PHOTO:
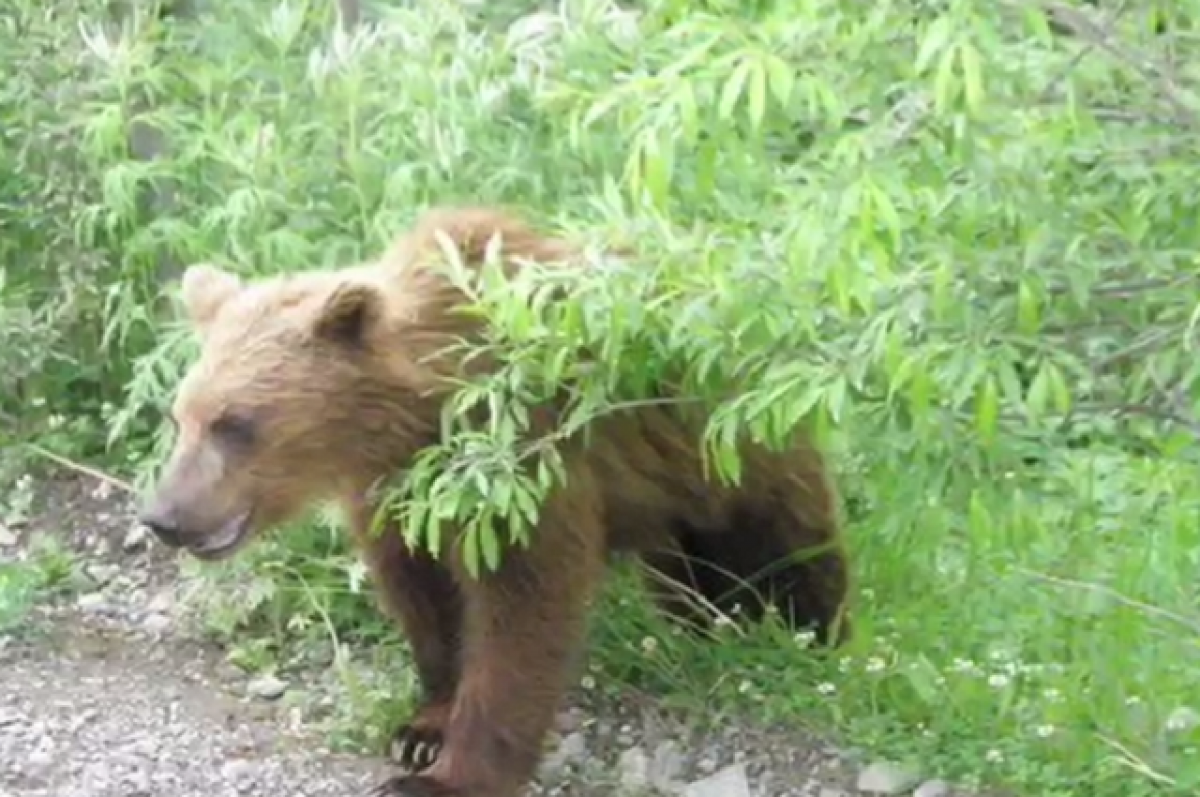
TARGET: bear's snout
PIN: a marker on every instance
(162, 523)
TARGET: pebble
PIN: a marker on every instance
(135, 538)
(666, 766)
(728, 782)
(267, 687)
(634, 765)
(933, 788)
(92, 602)
(156, 623)
(884, 777)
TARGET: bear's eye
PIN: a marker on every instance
(234, 427)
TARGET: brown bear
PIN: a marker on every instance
(318, 385)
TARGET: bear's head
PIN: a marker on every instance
(300, 394)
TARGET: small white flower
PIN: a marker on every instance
(998, 680)
(826, 688)
(804, 639)
(649, 644)
(875, 664)
(1044, 731)
(588, 682)
(993, 756)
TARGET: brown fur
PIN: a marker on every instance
(315, 385)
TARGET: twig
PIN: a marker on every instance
(81, 468)
(1186, 622)
(1088, 48)
(1082, 26)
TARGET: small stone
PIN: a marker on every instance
(135, 538)
(728, 782)
(92, 602)
(240, 773)
(883, 777)
(666, 765)
(266, 688)
(102, 574)
(825, 792)
(933, 788)
(572, 748)
(7, 538)
(9, 716)
(156, 623)
(40, 760)
(161, 603)
(635, 768)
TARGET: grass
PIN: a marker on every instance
(945, 286)
(44, 569)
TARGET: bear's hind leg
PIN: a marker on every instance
(676, 586)
(773, 551)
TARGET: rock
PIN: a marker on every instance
(884, 777)
(728, 782)
(92, 602)
(239, 772)
(102, 574)
(135, 538)
(267, 687)
(825, 792)
(156, 623)
(571, 748)
(634, 765)
(933, 788)
(7, 538)
(666, 766)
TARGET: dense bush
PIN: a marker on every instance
(958, 238)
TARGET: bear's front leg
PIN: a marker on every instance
(422, 596)
(525, 626)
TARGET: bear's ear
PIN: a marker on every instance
(348, 313)
(205, 288)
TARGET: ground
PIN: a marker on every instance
(108, 693)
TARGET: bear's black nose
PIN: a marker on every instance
(162, 524)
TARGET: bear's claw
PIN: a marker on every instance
(415, 748)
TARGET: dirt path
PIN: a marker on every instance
(104, 694)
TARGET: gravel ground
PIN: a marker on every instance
(106, 695)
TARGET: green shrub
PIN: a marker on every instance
(955, 239)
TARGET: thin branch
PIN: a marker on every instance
(1085, 28)
(79, 467)
(1186, 622)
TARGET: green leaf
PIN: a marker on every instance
(987, 409)
(490, 546)
(972, 77)
(732, 92)
(1027, 309)
(783, 79)
(945, 83)
(757, 105)
(936, 37)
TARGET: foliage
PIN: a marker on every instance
(957, 239)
